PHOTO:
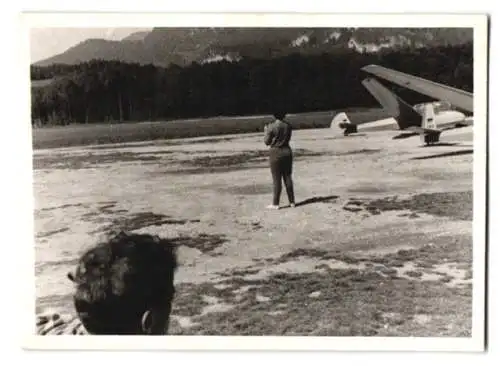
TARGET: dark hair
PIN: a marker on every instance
(279, 115)
(118, 280)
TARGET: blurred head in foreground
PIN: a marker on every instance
(126, 285)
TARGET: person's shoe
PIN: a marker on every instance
(292, 205)
(273, 207)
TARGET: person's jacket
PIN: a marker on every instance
(278, 134)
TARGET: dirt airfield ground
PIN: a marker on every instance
(380, 243)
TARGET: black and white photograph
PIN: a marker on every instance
(320, 180)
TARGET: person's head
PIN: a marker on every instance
(126, 285)
(280, 115)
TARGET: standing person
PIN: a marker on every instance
(124, 285)
(277, 137)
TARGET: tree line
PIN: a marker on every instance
(112, 91)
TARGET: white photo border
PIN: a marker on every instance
(88, 20)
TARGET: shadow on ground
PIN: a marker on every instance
(405, 135)
(444, 155)
(437, 144)
(344, 137)
(318, 199)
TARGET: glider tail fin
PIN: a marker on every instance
(402, 112)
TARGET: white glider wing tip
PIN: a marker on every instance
(372, 68)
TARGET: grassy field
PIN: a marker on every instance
(78, 135)
(380, 243)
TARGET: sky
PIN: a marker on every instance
(47, 42)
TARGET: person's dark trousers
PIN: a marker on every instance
(281, 161)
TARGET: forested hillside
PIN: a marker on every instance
(99, 91)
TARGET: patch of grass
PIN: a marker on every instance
(251, 189)
(207, 170)
(456, 205)
(373, 210)
(144, 219)
(228, 163)
(446, 279)
(188, 303)
(165, 143)
(424, 264)
(353, 303)
(53, 232)
(244, 157)
(360, 151)
(226, 160)
(302, 252)
(62, 207)
(90, 160)
(189, 300)
(205, 243)
(93, 134)
(388, 271)
(444, 249)
(317, 253)
(122, 220)
(415, 274)
(241, 272)
(343, 257)
(322, 267)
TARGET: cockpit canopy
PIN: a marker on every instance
(439, 106)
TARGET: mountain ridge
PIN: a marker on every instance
(183, 46)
